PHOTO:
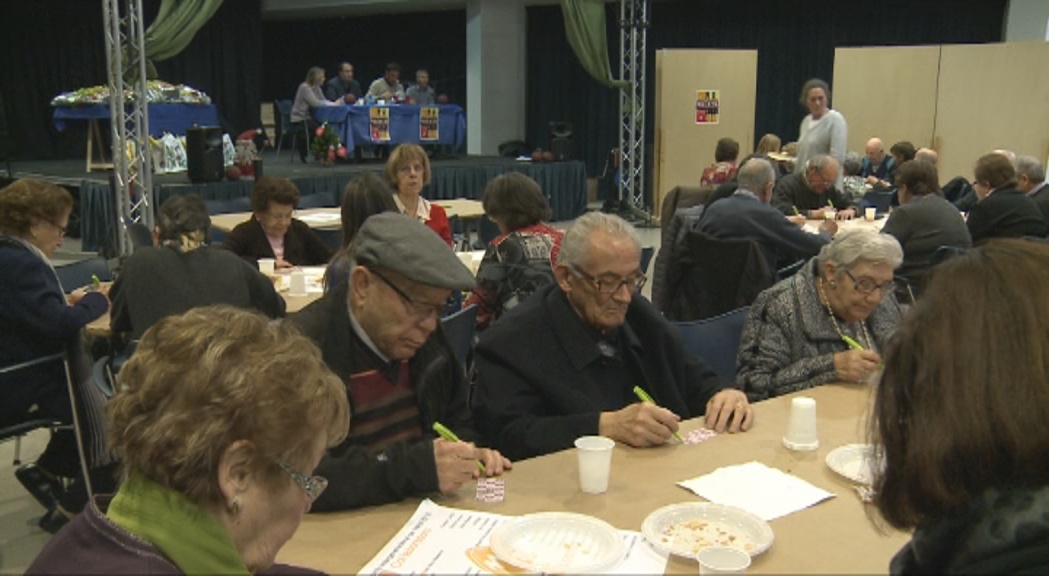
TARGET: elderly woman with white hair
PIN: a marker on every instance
(827, 323)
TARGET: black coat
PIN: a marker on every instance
(302, 246)
(541, 378)
(1006, 213)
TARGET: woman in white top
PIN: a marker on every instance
(823, 131)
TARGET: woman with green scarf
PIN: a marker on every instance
(220, 419)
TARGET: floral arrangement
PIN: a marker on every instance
(326, 145)
(156, 91)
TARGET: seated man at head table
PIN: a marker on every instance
(183, 272)
(878, 169)
(388, 87)
(421, 92)
(343, 87)
(747, 215)
(379, 333)
(565, 362)
(811, 192)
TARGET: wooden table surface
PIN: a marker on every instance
(461, 207)
(834, 536)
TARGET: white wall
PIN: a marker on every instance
(1027, 20)
(495, 74)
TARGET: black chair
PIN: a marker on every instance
(83, 273)
(879, 199)
(459, 328)
(241, 204)
(331, 236)
(318, 200)
(285, 127)
(646, 257)
(17, 431)
(708, 276)
(715, 341)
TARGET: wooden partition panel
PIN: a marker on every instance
(683, 148)
(888, 92)
(991, 96)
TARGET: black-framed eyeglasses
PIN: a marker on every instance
(867, 286)
(416, 308)
(312, 485)
(61, 229)
(607, 286)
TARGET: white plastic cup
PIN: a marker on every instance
(869, 213)
(801, 427)
(595, 463)
(723, 560)
(267, 266)
(830, 214)
(298, 284)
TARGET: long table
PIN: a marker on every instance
(835, 536)
(353, 123)
(332, 217)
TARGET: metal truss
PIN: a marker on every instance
(132, 182)
(633, 26)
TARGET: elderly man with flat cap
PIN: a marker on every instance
(564, 363)
(379, 333)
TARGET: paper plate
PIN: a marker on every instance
(558, 542)
(853, 461)
(685, 529)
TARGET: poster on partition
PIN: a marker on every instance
(708, 106)
(428, 131)
(380, 123)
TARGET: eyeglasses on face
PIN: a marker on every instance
(418, 309)
(867, 286)
(61, 229)
(608, 285)
(312, 485)
(279, 217)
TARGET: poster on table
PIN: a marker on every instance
(428, 131)
(708, 106)
(380, 124)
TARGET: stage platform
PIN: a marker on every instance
(564, 184)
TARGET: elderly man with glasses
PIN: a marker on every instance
(565, 362)
(811, 192)
(379, 333)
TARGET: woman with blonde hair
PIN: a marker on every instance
(407, 172)
(221, 419)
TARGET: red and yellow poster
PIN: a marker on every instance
(708, 106)
(380, 123)
(428, 120)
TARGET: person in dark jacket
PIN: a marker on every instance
(1030, 179)
(564, 363)
(1002, 210)
(183, 272)
(379, 333)
(960, 421)
(271, 232)
(37, 320)
(221, 420)
(364, 196)
(810, 192)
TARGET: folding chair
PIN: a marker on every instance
(282, 109)
(716, 341)
(459, 328)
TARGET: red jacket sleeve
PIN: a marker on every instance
(438, 222)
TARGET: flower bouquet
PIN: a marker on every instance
(326, 145)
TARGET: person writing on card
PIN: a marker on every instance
(564, 363)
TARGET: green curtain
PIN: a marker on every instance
(176, 23)
(585, 29)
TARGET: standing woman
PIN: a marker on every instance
(407, 171)
(307, 97)
(37, 320)
(823, 131)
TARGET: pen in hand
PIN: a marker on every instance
(644, 397)
(450, 436)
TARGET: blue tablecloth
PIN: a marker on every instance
(353, 123)
(173, 118)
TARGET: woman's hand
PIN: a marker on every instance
(856, 365)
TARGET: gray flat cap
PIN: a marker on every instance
(406, 246)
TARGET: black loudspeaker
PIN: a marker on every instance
(561, 144)
(204, 154)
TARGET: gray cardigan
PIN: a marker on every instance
(788, 341)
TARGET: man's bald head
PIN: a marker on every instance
(875, 150)
(927, 155)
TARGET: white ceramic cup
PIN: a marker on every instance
(869, 213)
(801, 427)
(267, 266)
(830, 214)
(595, 463)
(723, 560)
(298, 283)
